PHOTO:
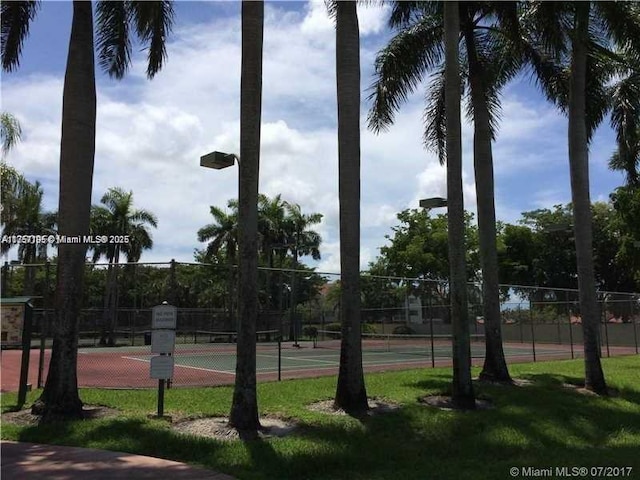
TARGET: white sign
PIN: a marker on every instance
(163, 341)
(164, 316)
(162, 367)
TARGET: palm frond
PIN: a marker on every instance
(153, 21)
(10, 131)
(434, 117)
(16, 17)
(399, 68)
(113, 41)
(620, 22)
(144, 217)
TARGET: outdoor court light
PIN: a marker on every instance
(218, 160)
(435, 202)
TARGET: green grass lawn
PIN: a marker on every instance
(541, 425)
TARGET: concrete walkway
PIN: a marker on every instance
(50, 462)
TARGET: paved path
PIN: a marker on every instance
(51, 462)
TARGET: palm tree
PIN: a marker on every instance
(351, 393)
(28, 218)
(117, 217)
(244, 407)
(579, 172)
(462, 388)
(579, 35)
(223, 235)
(271, 227)
(10, 132)
(301, 241)
(151, 21)
(417, 49)
(12, 183)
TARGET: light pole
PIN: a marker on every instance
(428, 204)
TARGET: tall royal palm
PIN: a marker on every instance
(462, 388)
(581, 34)
(151, 21)
(351, 394)
(416, 50)
(579, 172)
(118, 219)
(244, 406)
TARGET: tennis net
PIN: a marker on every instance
(206, 336)
(414, 344)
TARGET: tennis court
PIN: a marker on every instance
(212, 361)
(379, 351)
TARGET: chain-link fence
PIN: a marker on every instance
(298, 310)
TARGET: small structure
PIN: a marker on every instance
(15, 331)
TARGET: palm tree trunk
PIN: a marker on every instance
(579, 171)
(29, 270)
(77, 150)
(351, 394)
(244, 408)
(462, 388)
(495, 365)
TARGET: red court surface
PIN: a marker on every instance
(129, 367)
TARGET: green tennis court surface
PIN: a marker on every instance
(221, 358)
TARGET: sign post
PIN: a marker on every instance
(163, 341)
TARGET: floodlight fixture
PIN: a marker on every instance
(218, 160)
(434, 202)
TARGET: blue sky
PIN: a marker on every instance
(150, 134)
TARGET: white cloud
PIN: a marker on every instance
(371, 20)
(151, 134)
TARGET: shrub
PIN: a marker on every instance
(368, 328)
(310, 332)
(403, 330)
(335, 330)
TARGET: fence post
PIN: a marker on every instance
(5, 273)
(172, 282)
(433, 354)
(635, 333)
(533, 335)
(606, 327)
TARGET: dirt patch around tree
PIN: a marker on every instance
(516, 382)
(89, 412)
(581, 389)
(444, 402)
(219, 429)
(377, 406)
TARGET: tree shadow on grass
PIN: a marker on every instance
(538, 425)
(566, 382)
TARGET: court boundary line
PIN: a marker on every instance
(185, 366)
